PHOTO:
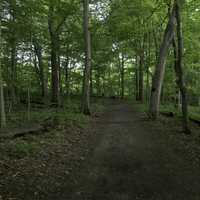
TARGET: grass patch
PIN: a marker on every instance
(60, 122)
(68, 113)
(97, 108)
(194, 111)
(21, 148)
(141, 107)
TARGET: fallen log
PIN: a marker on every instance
(168, 114)
(21, 132)
(196, 121)
(171, 114)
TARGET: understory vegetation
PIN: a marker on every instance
(54, 50)
(64, 62)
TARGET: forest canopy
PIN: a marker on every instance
(54, 49)
(99, 99)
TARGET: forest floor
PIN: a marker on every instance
(120, 155)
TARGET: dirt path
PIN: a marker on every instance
(132, 161)
(121, 157)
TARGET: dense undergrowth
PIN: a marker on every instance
(60, 122)
(69, 112)
(194, 111)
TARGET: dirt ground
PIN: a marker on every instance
(120, 156)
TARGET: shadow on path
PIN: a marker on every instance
(132, 162)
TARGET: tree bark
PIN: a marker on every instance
(91, 82)
(13, 51)
(67, 76)
(160, 67)
(54, 39)
(121, 63)
(38, 53)
(98, 83)
(141, 77)
(29, 104)
(148, 57)
(60, 74)
(179, 69)
(55, 71)
(87, 70)
(13, 73)
(2, 103)
(156, 44)
(137, 80)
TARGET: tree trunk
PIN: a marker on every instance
(122, 76)
(91, 82)
(67, 77)
(147, 69)
(38, 53)
(156, 44)
(60, 74)
(147, 86)
(87, 70)
(162, 95)
(110, 83)
(13, 49)
(98, 82)
(29, 104)
(55, 71)
(13, 73)
(2, 103)
(141, 77)
(104, 85)
(160, 67)
(177, 95)
(54, 39)
(179, 70)
(136, 79)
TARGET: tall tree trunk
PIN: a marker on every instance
(104, 85)
(91, 82)
(160, 67)
(177, 96)
(29, 104)
(87, 70)
(156, 44)
(38, 53)
(122, 76)
(60, 73)
(136, 80)
(67, 76)
(13, 73)
(98, 83)
(147, 86)
(148, 56)
(141, 77)
(55, 71)
(110, 84)
(3, 114)
(179, 69)
(13, 49)
(54, 39)
(2, 103)
(162, 95)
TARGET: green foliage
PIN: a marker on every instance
(128, 28)
(194, 111)
(68, 115)
(20, 148)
